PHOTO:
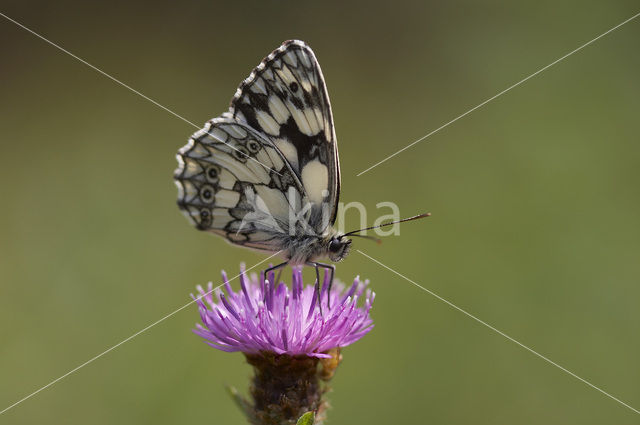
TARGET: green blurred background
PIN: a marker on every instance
(535, 227)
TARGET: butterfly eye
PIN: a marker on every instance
(212, 174)
(334, 246)
(253, 146)
(241, 154)
(207, 193)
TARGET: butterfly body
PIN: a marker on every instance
(309, 249)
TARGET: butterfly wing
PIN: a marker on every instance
(234, 182)
(285, 98)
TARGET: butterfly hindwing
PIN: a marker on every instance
(285, 98)
(234, 182)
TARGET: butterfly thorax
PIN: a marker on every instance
(299, 250)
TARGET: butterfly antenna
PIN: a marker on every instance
(415, 217)
(378, 241)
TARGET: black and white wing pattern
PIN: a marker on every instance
(270, 158)
(233, 182)
(285, 98)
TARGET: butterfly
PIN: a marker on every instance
(266, 173)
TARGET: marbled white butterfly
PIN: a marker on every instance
(265, 174)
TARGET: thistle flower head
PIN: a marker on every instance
(263, 317)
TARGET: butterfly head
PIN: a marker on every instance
(338, 248)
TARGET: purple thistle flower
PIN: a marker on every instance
(265, 318)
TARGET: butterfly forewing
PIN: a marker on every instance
(286, 99)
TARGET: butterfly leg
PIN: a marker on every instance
(274, 268)
(266, 276)
(328, 268)
(331, 269)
